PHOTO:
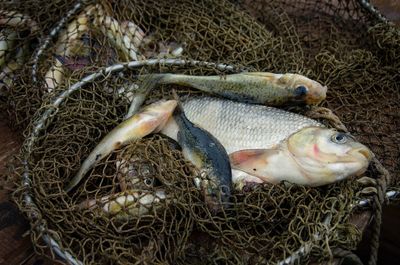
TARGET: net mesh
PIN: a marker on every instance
(337, 43)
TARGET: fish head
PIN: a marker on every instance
(216, 194)
(303, 89)
(326, 155)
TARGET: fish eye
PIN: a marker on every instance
(300, 91)
(148, 182)
(339, 138)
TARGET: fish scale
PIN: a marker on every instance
(241, 126)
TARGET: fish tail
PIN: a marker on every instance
(179, 107)
(148, 83)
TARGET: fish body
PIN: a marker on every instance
(238, 125)
(275, 145)
(69, 42)
(256, 87)
(308, 157)
(123, 205)
(126, 35)
(17, 20)
(150, 119)
(209, 156)
(7, 74)
(7, 42)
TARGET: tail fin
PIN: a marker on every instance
(179, 107)
(148, 83)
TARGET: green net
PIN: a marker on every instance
(339, 44)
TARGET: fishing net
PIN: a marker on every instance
(342, 45)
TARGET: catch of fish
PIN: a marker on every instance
(237, 140)
(234, 144)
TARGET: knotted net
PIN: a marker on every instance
(341, 45)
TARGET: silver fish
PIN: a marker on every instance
(275, 145)
(241, 126)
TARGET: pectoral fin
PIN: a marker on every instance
(253, 161)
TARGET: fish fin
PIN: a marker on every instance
(266, 75)
(252, 161)
(179, 108)
(148, 83)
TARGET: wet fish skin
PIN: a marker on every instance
(238, 125)
(275, 145)
(127, 204)
(7, 42)
(150, 119)
(209, 156)
(310, 157)
(255, 87)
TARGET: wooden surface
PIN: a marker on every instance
(15, 248)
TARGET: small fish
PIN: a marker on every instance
(273, 145)
(126, 36)
(136, 173)
(132, 203)
(209, 156)
(257, 87)
(7, 42)
(67, 44)
(151, 119)
(7, 74)
(17, 20)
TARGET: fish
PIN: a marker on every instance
(136, 173)
(139, 93)
(126, 35)
(150, 119)
(209, 156)
(266, 144)
(7, 42)
(127, 204)
(7, 74)
(18, 20)
(313, 156)
(255, 87)
(69, 42)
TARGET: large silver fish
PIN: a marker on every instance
(270, 145)
(241, 126)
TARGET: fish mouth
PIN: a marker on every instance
(365, 152)
(317, 95)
